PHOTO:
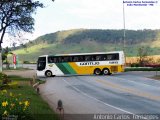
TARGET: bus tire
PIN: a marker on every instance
(48, 73)
(106, 71)
(97, 71)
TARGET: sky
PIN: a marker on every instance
(94, 14)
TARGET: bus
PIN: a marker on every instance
(97, 63)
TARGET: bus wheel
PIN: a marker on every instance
(97, 71)
(48, 73)
(106, 71)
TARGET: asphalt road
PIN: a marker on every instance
(125, 93)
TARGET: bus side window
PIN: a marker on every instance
(55, 60)
(109, 57)
(98, 57)
(66, 59)
(93, 58)
(62, 59)
(75, 59)
(81, 58)
(50, 59)
(116, 56)
(59, 59)
(113, 57)
(104, 57)
(87, 58)
(70, 59)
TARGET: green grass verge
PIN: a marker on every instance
(18, 78)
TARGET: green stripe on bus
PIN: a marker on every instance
(62, 68)
(69, 68)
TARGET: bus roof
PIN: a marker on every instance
(94, 53)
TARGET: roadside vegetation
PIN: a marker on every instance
(19, 99)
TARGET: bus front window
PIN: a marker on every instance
(41, 64)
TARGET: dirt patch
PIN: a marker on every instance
(156, 77)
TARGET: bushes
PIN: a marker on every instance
(14, 105)
(4, 79)
(26, 62)
(5, 82)
(135, 65)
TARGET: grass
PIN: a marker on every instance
(24, 81)
(18, 78)
(18, 68)
(39, 110)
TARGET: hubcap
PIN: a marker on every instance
(105, 71)
(97, 72)
(48, 73)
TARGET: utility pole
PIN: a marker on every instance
(124, 32)
(124, 28)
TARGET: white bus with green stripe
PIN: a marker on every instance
(99, 63)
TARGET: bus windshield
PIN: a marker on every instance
(41, 63)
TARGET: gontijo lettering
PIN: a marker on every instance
(89, 63)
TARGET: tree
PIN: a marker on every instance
(143, 53)
(6, 51)
(16, 16)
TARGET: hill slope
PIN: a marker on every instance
(90, 40)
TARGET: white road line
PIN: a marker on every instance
(134, 81)
(97, 99)
(117, 108)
